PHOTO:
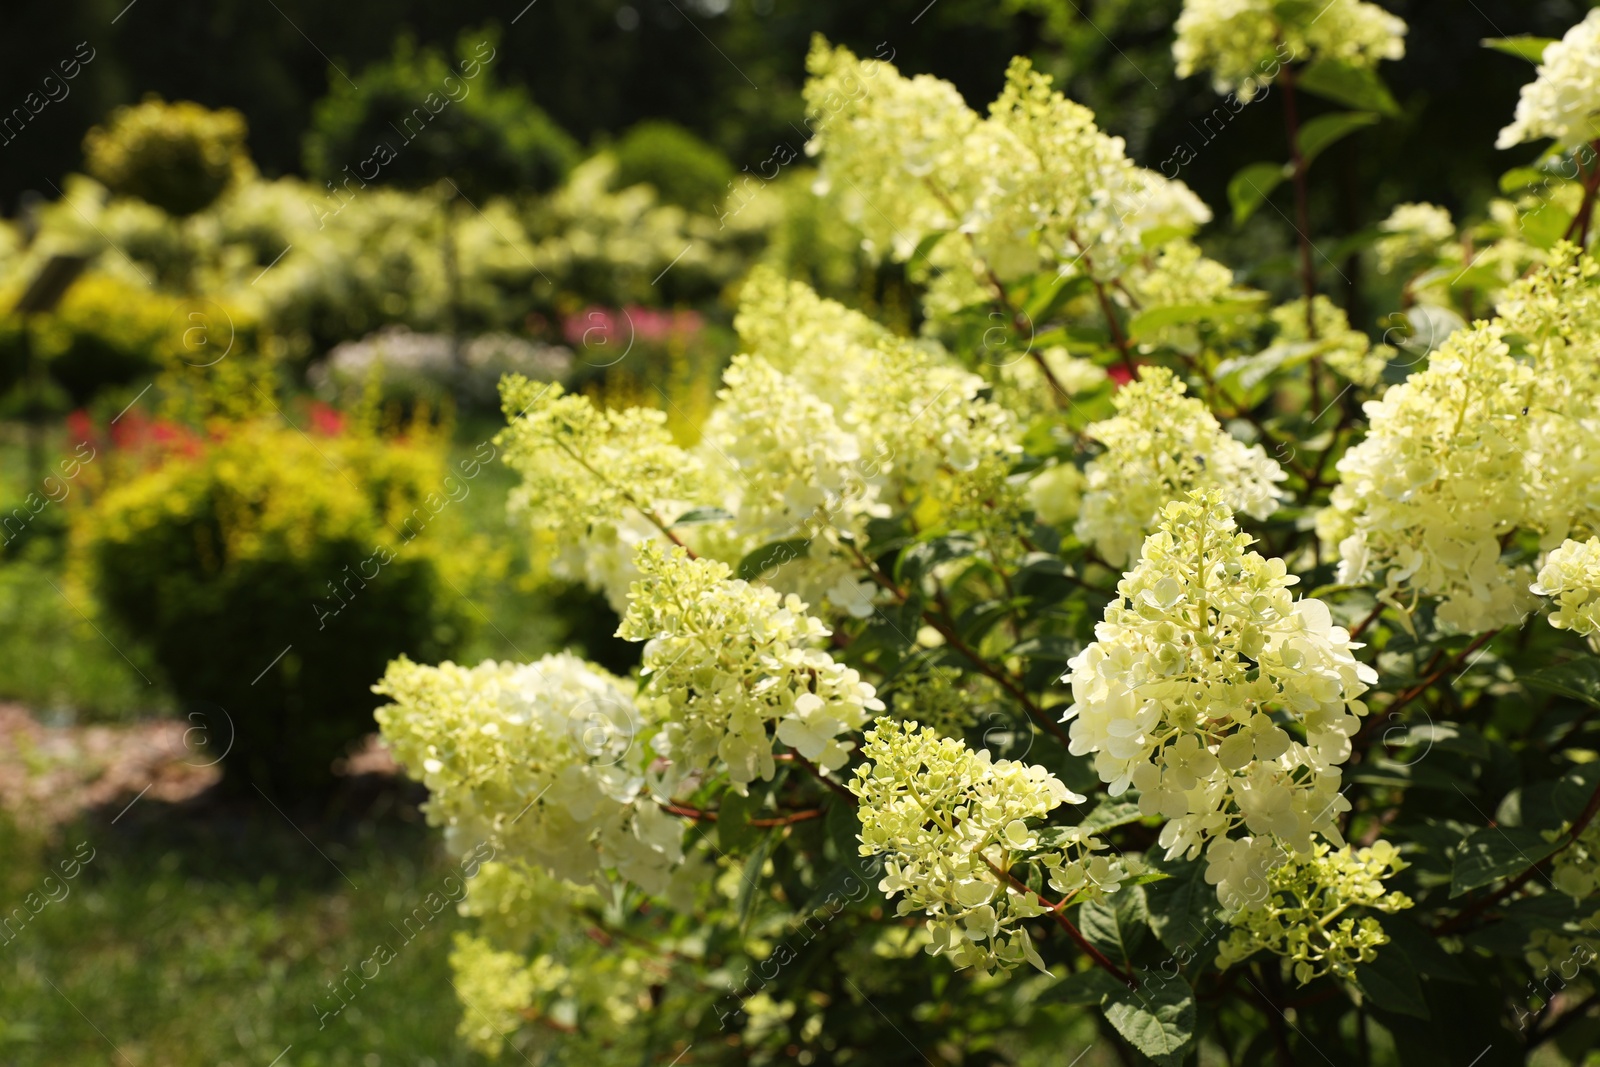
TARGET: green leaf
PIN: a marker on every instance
(1108, 815)
(1325, 130)
(771, 556)
(844, 829)
(1157, 1018)
(701, 516)
(925, 246)
(1579, 679)
(1182, 907)
(1249, 188)
(1251, 371)
(1146, 323)
(1116, 924)
(1523, 47)
(1428, 958)
(734, 832)
(1390, 983)
(1497, 852)
(750, 879)
(1357, 87)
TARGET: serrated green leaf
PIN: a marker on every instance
(1357, 87)
(1390, 984)
(1182, 907)
(1523, 47)
(1325, 130)
(1109, 814)
(1116, 924)
(771, 556)
(1249, 189)
(1157, 1018)
(1146, 323)
(1496, 852)
(701, 516)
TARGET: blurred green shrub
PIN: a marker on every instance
(417, 120)
(683, 169)
(105, 332)
(272, 575)
(179, 157)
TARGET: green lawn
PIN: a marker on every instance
(207, 933)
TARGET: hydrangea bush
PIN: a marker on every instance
(1131, 661)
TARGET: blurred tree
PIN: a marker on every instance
(179, 157)
(418, 120)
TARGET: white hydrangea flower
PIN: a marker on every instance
(1056, 492)
(1439, 481)
(1196, 671)
(1563, 101)
(1571, 575)
(543, 760)
(1412, 231)
(1160, 445)
(950, 820)
(1035, 185)
(1243, 43)
(725, 660)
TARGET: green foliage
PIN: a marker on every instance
(418, 119)
(179, 157)
(681, 167)
(331, 552)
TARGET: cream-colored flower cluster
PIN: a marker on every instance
(1440, 480)
(1563, 102)
(1223, 700)
(1160, 445)
(1244, 43)
(1299, 912)
(1571, 576)
(1035, 185)
(951, 822)
(825, 422)
(725, 660)
(1413, 231)
(1349, 352)
(544, 761)
(595, 482)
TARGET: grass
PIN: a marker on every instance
(208, 933)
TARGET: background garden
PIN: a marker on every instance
(277, 252)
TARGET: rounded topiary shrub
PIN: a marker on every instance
(273, 575)
(179, 156)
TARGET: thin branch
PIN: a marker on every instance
(1056, 913)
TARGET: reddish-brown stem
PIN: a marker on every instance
(1432, 675)
(989, 670)
(1581, 823)
(816, 772)
(1591, 183)
(701, 815)
(1056, 913)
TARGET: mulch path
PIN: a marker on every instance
(51, 774)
